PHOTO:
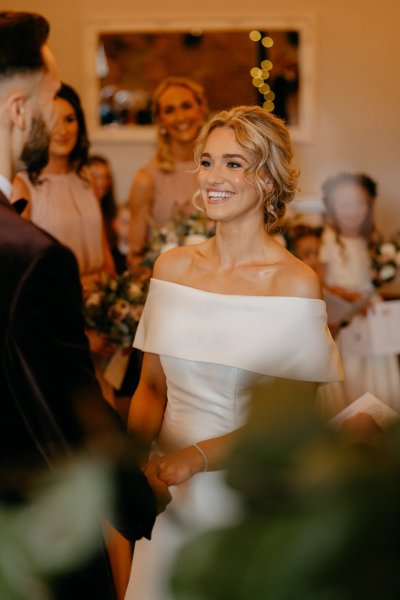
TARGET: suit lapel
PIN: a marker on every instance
(4, 201)
(17, 206)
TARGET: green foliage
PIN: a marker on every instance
(321, 517)
(55, 531)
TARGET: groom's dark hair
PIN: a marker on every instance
(22, 36)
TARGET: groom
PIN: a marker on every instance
(50, 403)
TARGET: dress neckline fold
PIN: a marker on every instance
(241, 296)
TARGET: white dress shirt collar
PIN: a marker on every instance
(5, 186)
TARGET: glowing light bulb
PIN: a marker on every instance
(255, 36)
(267, 42)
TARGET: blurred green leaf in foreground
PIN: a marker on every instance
(55, 530)
(321, 517)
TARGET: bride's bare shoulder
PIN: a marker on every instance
(173, 264)
(299, 279)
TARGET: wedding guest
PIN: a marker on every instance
(220, 316)
(51, 405)
(75, 217)
(305, 241)
(120, 226)
(167, 183)
(103, 184)
(346, 242)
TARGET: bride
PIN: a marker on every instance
(220, 316)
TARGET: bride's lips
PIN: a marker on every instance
(218, 196)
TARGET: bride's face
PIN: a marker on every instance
(226, 191)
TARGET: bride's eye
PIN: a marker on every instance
(205, 163)
(233, 164)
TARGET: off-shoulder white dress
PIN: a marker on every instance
(214, 348)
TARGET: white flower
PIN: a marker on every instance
(388, 251)
(94, 299)
(387, 272)
(134, 290)
(120, 310)
(193, 238)
(172, 238)
(167, 246)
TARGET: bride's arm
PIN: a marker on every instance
(206, 455)
(148, 402)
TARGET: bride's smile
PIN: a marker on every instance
(226, 189)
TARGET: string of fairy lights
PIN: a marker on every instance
(261, 74)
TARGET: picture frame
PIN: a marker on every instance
(128, 69)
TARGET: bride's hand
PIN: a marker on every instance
(177, 467)
(160, 489)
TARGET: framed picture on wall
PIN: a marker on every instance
(268, 61)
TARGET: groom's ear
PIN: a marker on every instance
(17, 110)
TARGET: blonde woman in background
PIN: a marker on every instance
(167, 182)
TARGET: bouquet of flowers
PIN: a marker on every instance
(385, 259)
(180, 231)
(113, 306)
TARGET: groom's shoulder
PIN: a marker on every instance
(24, 244)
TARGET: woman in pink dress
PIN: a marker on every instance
(60, 197)
(167, 182)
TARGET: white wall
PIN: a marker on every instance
(358, 82)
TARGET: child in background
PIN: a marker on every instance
(345, 253)
(120, 227)
(304, 242)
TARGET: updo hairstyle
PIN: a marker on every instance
(267, 139)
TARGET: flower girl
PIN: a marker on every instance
(346, 247)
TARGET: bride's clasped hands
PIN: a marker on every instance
(179, 466)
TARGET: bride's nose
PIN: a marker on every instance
(215, 174)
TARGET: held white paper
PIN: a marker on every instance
(384, 323)
(376, 334)
(340, 310)
(383, 415)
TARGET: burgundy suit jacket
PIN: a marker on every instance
(50, 401)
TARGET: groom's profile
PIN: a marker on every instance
(50, 401)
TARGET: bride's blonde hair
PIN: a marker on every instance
(267, 140)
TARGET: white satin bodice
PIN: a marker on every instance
(205, 400)
(215, 347)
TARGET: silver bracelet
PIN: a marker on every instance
(204, 455)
